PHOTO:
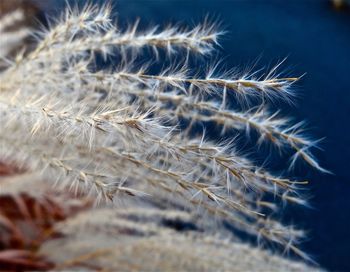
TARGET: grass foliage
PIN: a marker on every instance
(122, 131)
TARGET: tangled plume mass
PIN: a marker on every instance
(87, 110)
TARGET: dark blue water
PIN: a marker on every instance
(316, 40)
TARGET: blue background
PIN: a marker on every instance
(316, 39)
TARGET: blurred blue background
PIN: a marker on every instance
(316, 39)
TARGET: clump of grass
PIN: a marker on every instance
(119, 131)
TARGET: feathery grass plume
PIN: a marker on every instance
(149, 239)
(27, 218)
(114, 132)
(16, 21)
